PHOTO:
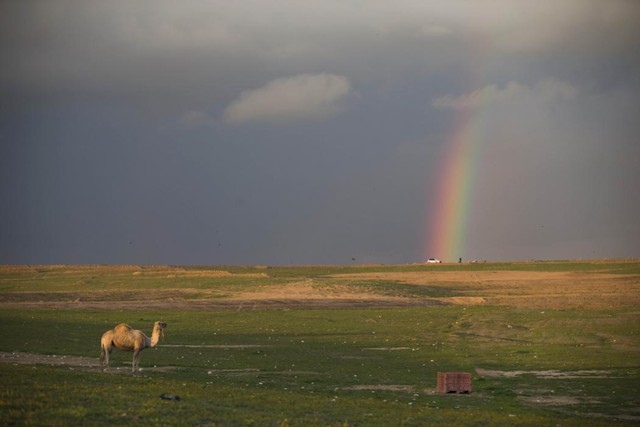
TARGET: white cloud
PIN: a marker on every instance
(546, 90)
(489, 93)
(287, 99)
(196, 118)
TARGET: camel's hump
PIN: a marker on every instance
(122, 327)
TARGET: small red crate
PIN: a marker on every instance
(454, 382)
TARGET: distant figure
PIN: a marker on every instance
(459, 260)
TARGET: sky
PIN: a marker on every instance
(318, 132)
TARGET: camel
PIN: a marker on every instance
(124, 337)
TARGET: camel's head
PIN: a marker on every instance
(160, 327)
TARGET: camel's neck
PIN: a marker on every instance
(155, 337)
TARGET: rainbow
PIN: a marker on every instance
(447, 234)
(447, 230)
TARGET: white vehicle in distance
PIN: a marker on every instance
(433, 261)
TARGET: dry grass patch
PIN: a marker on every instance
(532, 289)
(310, 290)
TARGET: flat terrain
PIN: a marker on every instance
(113, 287)
(547, 343)
(533, 289)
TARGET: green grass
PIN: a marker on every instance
(319, 367)
(306, 366)
(101, 400)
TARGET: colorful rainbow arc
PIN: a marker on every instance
(448, 230)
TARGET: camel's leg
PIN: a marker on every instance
(104, 357)
(136, 360)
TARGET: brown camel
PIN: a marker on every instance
(123, 337)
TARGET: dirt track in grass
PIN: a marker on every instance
(229, 304)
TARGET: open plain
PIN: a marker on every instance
(547, 343)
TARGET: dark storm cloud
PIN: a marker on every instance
(235, 132)
(205, 53)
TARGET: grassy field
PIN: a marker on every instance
(547, 343)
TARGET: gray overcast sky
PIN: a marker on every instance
(253, 132)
